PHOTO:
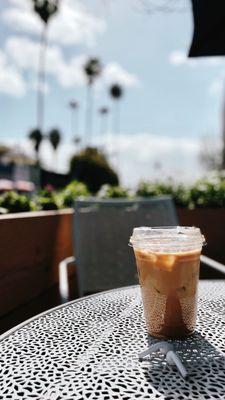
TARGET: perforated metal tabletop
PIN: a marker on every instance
(88, 349)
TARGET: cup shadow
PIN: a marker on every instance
(205, 366)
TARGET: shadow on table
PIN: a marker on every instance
(205, 366)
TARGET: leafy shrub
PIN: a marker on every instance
(46, 192)
(146, 189)
(91, 167)
(113, 192)
(14, 202)
(179, 193)
(72, 191)
(47, 204)
(47, 200)
(207, 194)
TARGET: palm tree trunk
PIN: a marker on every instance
(116, 128)
(89, 114)
(41, 80)
(55, 160)
(101, 125)
(74, 123)
(116, 119)
(223, 136)
(103, 128)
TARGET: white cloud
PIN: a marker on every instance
(157, 158)
(216, 87)
(213, 61)
(173, 156)
(179, 57)
(24, 53)
(21, 18)
(71, 73)
(43, 87)
(72, 25)
(114, 73)
(140, 153)
(11, 80)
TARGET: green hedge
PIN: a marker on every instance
(113, 192)
(12, 202)
(179, 193)
(208, 192)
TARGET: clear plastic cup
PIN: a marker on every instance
(168, 260)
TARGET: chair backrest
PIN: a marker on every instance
(102, 229)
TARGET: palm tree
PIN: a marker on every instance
(54, 137)
(74, 106)
(103, 112)
(36, 137)
(116, 92)
(77, 142)
(92, 70)
(45, 10)
(223, 137)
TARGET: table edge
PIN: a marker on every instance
(44, 313)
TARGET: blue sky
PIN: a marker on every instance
(167, 97)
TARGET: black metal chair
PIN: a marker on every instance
(101, 234)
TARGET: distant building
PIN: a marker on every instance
(16, 167)
(57, 181)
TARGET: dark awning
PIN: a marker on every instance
(209, 28)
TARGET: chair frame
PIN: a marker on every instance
(64, 264)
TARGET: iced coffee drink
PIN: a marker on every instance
(168, 267)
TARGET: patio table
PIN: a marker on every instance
(88, 349)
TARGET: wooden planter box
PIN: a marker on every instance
(212, 224)
(32, 245)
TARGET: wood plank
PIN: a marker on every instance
(31, 247)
